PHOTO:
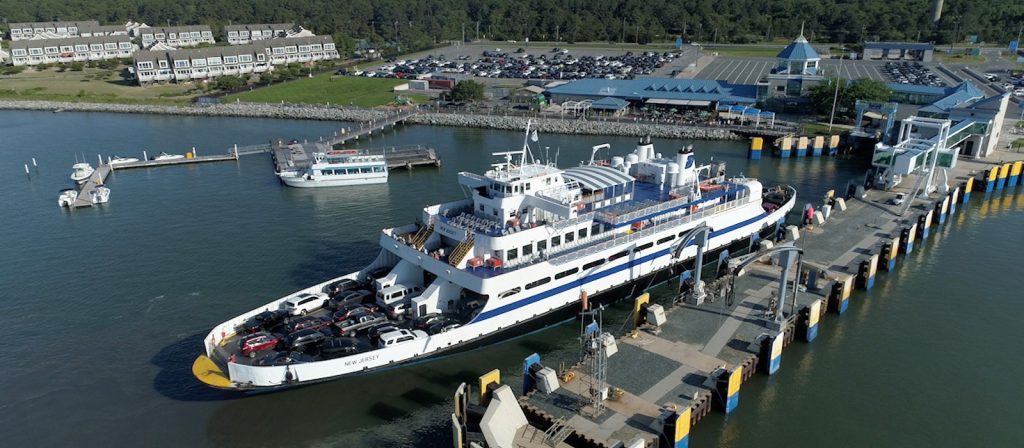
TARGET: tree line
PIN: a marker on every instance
(404, 25)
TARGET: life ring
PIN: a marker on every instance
(693, 209)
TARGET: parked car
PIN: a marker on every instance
(400, 336)
(342, 346)
(304, 303)
(398, 310)
(347, 311)
(303, 339)
(444, 326)
(375, 331)
(264, 321)
(424, 322)
(378, 273)
(342, 285)
(283, 358)
(250, 344)
(307, 323)
(357, 297)
(359, 322)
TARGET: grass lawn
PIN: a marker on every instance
(959, 58)
(90, 85)
(327, 88)
(1017, 144)
(750, 52)
(812, 129)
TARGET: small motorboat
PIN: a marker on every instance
(118, 160)
(165, 156)
(81, 172)
(99, 195)
(67, 198)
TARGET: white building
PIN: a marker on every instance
(71, 49)
(26, 30)
(90, 30)
(244, 34)
(205, 63)
(177, 36)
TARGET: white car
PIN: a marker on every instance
(1019, 92)
(303, 303)
(400, 336)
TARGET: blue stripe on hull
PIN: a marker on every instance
(597, 276)
(732, 402)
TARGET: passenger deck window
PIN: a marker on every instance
(512, 254)
(583, 233)
(541, 245)
(593, 264)
(666, 239)
(643, 247)
(527, 249)
(614, 257)
(570, 237)
(556, 241)
(538, 282)
(564, 274)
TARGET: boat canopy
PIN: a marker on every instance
(596, 178)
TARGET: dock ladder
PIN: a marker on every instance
(557, 433)
(460, 251)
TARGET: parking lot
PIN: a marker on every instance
(745, 70)
(512, 60)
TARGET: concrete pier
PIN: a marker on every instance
(697, 360)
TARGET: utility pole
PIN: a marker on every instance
(637, 39)
(835, 99)
(556, 32)
(622, 33)
(463, 33)
(477, 30)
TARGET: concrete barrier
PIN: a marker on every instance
(792, 232)
(819, 218)
(841, 204)
(826, 211)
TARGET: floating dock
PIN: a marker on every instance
(650, 382)
(299, 156)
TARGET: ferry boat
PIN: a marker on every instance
(518, 253)
(339, 168)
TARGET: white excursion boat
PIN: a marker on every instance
(165, 156)
(67, 197)
(513, 256)
(118, 160)
(99, 195)
(339, 168)
(80, 172)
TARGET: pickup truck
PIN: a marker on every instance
(359, 322)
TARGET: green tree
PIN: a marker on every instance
(229, 82)
(468, 90)
(76, 66)
(863, 89)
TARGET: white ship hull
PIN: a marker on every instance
(300, 181)
(501, 315)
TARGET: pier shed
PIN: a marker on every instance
(674, 93)
(899, 51)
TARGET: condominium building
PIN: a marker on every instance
(244, 34)
(71, 49)
(90, 30)
(205, 63)
(26, 30)
(177, 36)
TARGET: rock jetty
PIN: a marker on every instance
(339, 113)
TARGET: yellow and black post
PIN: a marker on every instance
(727, 388)
(676, 431)
(890, 249)
(924, 224)
(907, 236)
(866, 272)
(839, 295)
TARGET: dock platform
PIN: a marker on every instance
(300, 156)
(664, 380)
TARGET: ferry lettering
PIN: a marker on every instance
(361, 360)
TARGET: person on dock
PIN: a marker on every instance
(809, 216)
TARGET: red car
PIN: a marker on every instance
(250, 344)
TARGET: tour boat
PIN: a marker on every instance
(338, 168)
(81, 172)
(517, 254)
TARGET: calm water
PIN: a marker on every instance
(106, 307)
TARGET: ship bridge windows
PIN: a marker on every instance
(542, 245)
(582, 233)
(512, 254)
(570, 237)
(556, 241)
(528, 249)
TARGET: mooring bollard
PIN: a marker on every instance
(755, 148)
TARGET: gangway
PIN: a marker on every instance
(924, 144)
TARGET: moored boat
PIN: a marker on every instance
(338, 168)
(80, 172)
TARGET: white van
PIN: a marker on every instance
(396, 293)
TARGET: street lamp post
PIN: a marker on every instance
(835, 98)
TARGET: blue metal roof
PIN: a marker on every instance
(918, 89)
(672, 89)
(965, 93)
(609, 103)
(898, 46)
(799, 50)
